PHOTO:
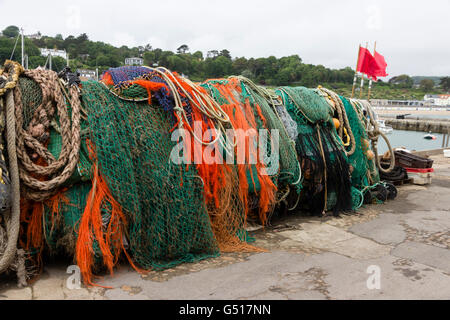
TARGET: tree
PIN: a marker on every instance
(427, 84)
(59, 36)
(445, 83)
(212, 54)
(218, 67)
(247, 73)
(36, 61)
(148, 47)
(225, 53)
(176, 63)
(403, 81)
(239, 65)
(149, 58)
(182, 49)
(102, 60)
(11, 32)
(82, 38)
(198, 55)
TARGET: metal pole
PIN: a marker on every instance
(356, 72)
(21, 29)
(448, 137)
(362, 85)
(370, 82)
(362, 78)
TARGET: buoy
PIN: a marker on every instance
(370, 155)
(337, 124)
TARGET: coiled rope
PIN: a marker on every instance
(343, 119)
(33, 138)
(13, 220)
(374, 132)
(208, 106)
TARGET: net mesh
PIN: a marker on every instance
(168, 221)
(326, 184)
(127, 196)
(364, 171)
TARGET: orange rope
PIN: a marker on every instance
(91, 227)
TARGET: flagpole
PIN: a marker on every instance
(356, 72)
(362, 77)
(370, 82)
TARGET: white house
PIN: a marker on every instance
(53, 52)
(438, 99)
(134, 61)
(36, 36)
(86, 74)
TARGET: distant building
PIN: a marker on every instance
(134, 61)
(53, 52)
(438, 99)
(405, 103)
(86, 74)
(36, 36)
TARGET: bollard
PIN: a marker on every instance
(448, 138)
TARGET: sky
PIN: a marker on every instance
(413, 35)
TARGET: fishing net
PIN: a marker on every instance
(128, 197)
(256, 187)
(163, 202)
(187, 106)
(364, 172)
(323, 162)
(289, 173)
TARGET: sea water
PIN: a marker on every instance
(411, 140)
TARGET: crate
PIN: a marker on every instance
(447, 153)
(420, 176)
(408, 160)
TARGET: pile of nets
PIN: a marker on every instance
(326, 176)
(149, 167)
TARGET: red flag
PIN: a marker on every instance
(380, 66)
(366, 62)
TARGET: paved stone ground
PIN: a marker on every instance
(308, 258)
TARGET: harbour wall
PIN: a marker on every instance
(435, 126)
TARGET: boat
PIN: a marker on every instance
(384, 128)
(429, 136)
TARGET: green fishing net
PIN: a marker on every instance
(163, 202)
(289, 167)
(325, 170)
(364, 170)
(168, 221)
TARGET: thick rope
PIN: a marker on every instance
(343, 119)
(13, 222)
(9, 75)
(208, 106)
(374, 132)
(34, 137)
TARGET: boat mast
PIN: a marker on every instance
(370, 82)
(23, 60)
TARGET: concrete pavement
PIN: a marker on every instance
(403, 245)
